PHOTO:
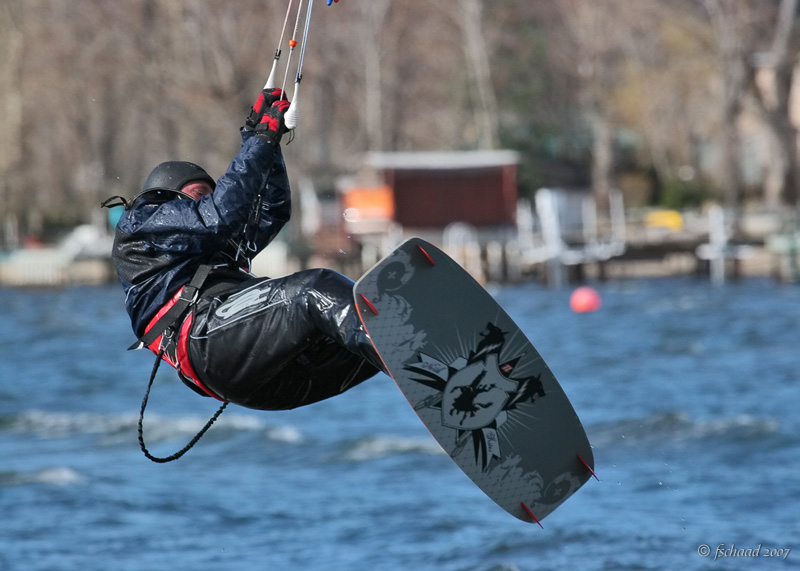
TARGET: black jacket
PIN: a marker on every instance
(162, 240)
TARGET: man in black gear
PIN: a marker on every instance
(180, 249)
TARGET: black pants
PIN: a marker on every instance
(274, 344)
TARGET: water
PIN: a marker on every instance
(689, 394)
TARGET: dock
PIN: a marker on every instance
(545, 246)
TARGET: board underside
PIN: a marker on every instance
(474, 379)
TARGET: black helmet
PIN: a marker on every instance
(172, 175)
(163, 183)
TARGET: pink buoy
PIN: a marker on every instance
(585, 300)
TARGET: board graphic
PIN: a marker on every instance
(475, 380)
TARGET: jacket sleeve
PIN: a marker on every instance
(259, 165)
(224, 213)
(276, 207)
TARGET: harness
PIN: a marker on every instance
(164, 326)
(188, 296)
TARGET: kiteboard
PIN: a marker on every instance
(475, 380)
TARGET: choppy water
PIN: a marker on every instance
(689, 394)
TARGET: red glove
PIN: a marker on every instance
(272, 124)
(265, 100)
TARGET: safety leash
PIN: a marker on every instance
(188, 296)
(191, 443)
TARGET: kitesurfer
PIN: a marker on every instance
(181, 249)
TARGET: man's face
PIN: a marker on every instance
(197, 189)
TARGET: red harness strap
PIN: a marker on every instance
(181, 364)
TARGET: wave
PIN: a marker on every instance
(112, 429)
(379, 447)
(679, 427)
(61, 476)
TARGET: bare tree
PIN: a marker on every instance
(374, 18)
(594, 31)
(480, 73)
(731, 55)
(772, 74)
(94, 93)
(11, 106)
(666, 94)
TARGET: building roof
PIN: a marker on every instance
(441, 160)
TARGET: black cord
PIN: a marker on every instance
(191, 443)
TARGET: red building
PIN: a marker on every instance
(432, 190)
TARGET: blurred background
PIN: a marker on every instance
(644, 150)
(653, 127)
